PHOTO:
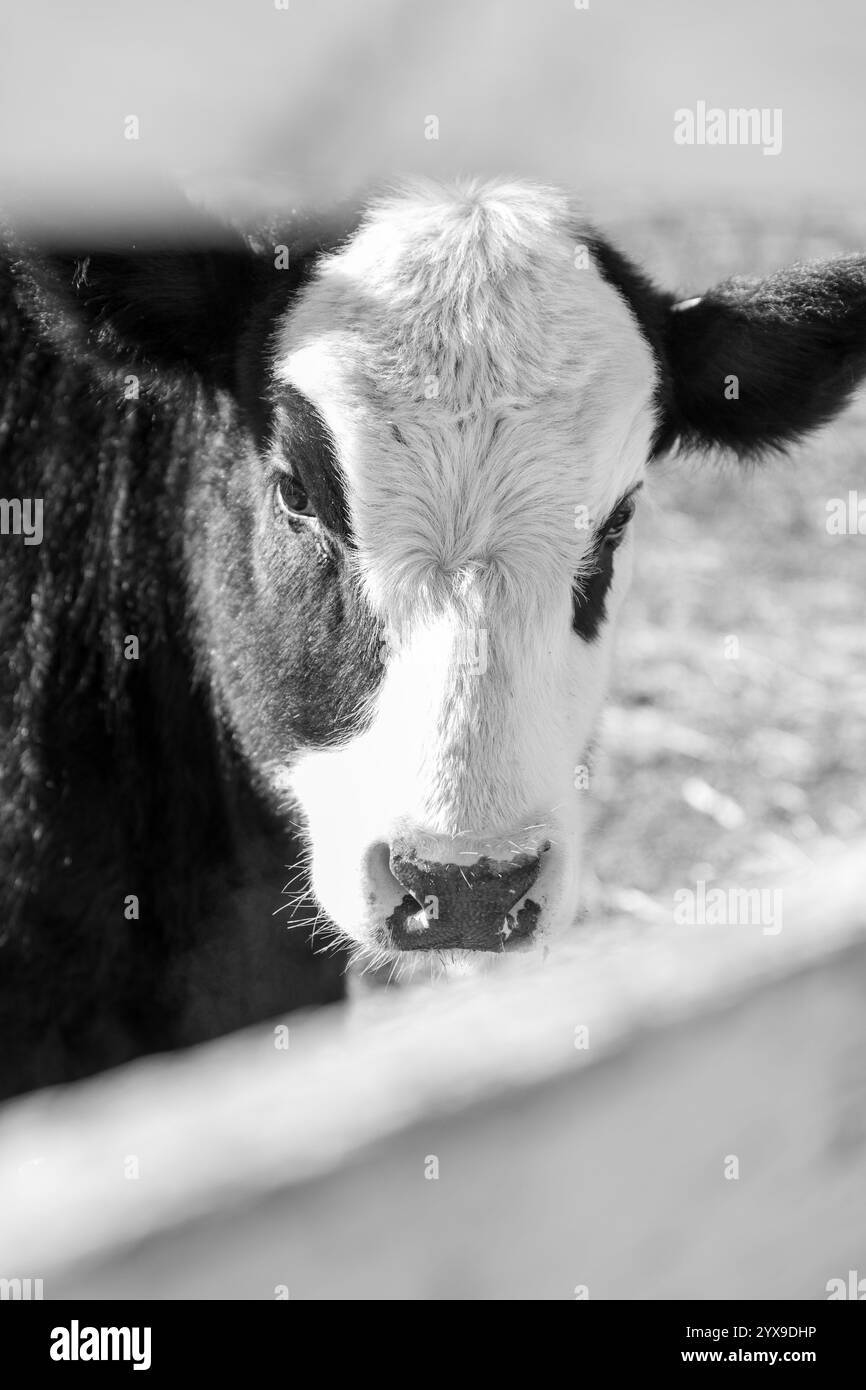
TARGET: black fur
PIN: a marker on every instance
(795, 341)
(588, 608)
(139, 777)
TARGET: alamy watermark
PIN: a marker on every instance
(711, 125)
(846, 516)
(22, 516)
(853, 1287)
(77, 1343)
(729, 907)
(22, 1290)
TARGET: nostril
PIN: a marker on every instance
(464, 905)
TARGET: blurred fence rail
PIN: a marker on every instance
(464, 1142)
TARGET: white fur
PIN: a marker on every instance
(483, 391)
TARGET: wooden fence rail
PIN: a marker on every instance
(655, 1111)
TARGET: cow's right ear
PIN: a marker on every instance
(158, 303)
(754, 365)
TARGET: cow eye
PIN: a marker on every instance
(292, 497)
(614, 528)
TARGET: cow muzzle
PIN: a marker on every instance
(485, 905)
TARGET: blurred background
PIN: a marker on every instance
(322, 96)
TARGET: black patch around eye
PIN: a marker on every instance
(306, 446)
(588, 610)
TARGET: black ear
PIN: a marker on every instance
(755, 364)
(148, 298)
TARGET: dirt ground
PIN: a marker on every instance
(718, 764)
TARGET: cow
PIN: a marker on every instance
(335, 528)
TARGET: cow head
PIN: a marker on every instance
(409, 559)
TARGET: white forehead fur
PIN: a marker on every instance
(486, 388)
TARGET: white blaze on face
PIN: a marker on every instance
(486, 392)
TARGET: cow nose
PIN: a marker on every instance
(452, 906)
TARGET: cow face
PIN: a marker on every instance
(489, 402)
(409, 517)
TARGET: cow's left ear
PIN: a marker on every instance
(755, 364)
